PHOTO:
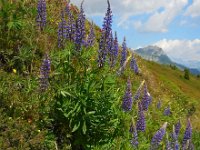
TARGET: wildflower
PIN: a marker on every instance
(105, 34)
(146, 100)
(62, 31)
(14, 71)
(91, 36)
(159, 104)
(44, 72)
(71, 27)
(157, 138)
(127, 99)
(80, 29)
(110, 48)
(134, 65)
(167, 111)
(134, 140)
(177, 128)
(116, 46)
(123, 53)
(141, 124)
(188, 133)
(101, 52)
(107, 24)
(41, 16)
(168, 145)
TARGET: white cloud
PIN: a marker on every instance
(187, 50)
(125, 9)
(160, 21)
(193, 10)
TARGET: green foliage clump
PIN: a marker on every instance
(187, 74)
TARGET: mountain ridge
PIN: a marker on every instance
(157, 54)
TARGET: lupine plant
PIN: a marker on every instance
(141, 123)
(91, 36)
(80, 29)
(62, 31)
(123, 52)
(71, 25)
(42, 14)
(44, 73)
(146, 100)
(187, 134)
(104, 39)
(167, 111)
(127, 99)
(157, 138)
(134, 65)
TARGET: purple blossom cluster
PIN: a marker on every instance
(146, 100)
(80, 29)
(134, 65)
(158, 104)
(41, 18)
(105, 37)
(71, 25)
(134, 140)
(44, 73)
(62, 31)
(91, 36)
(127, 99)
(187, 134)
(123, 53)
(157, 138)
(167, 111)
(141, 123)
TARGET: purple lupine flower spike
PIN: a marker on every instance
(67, 9)
(141, 123)
(116, 46)
(174, 136)
(177, 128)
(146, 100)
(168, 145)
(167, 111)
(134, 140)
(91, 36)
(80, 29)
(159, 104)
(110, 48)
(105, 33)
(62, 31)
(107, 23)
(42, 14)
(127, 99)
(188, 133)
(123, 53)
(44, 73)
(134, 65)
(71, 26)
(157, 138)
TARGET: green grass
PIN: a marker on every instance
(82, 106)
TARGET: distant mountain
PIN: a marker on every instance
(155, 53)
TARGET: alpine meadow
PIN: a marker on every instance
(68, 84)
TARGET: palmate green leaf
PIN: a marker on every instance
(76, 126)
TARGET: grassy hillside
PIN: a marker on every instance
(59, 98)
(170, 85)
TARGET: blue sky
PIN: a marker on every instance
(173, 25)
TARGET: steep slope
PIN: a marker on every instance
(170, 85)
